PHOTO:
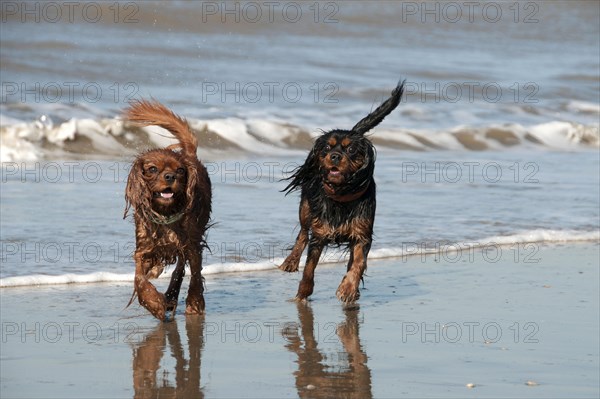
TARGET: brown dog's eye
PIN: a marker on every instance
(152, 169)
(180, 171)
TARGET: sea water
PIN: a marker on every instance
(494, 147)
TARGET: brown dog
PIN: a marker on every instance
(170, 193)
(337, 200)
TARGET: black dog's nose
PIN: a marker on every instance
(170, 177)
(336, 157)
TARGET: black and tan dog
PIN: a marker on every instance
(337, 201)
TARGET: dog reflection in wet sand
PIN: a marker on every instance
(182, 382)
(316, 377)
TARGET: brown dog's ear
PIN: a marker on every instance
(191, 186)
(137, 195)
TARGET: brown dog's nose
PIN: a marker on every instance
(170, 177)
(335, 157)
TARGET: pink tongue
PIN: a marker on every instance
(334, 172)
(166, 195)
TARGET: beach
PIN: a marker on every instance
(483, 274)
(425, 326)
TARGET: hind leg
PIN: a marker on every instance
(172, 293)
(195, 299)
(291, 263)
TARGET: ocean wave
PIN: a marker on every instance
(407, 249)
(526, 237)
(105, 138)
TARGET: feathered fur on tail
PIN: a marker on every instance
(145, 113)
(375, 117)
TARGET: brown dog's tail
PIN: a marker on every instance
(144, 113)
(375, 117)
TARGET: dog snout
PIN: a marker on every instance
(335, 157)
(170, 177)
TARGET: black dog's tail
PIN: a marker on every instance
(375, 117)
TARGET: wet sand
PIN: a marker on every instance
(522, 323)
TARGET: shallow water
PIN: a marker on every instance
(62, 218)
(425, 327)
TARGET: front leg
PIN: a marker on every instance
(195, 299)
(348, 290)
(148, 296)
(305, 288)
(172, 293)
(291, 263)
(350, 261)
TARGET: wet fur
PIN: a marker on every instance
(337, 200)
(159, 241)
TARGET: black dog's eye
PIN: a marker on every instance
(152, 169)
(180, 171)
(351, 149)
(327, 148)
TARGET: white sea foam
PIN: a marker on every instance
(583, 107)
(159, 136)
(109, 277)
(542, 235)
(562, 135)
(70, 278)
(26, 141)
(407, 249)
(15, 147)
(531, 236)
(400, 137)
(23, 141)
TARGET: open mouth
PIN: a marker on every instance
(334, 172)
(166, 193)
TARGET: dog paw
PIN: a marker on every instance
(171, 304)
(347, 292)
(305, 289)
(194, 305)
(290, 265)
(152, 300)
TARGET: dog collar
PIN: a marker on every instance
(161, 219)
(330, 192)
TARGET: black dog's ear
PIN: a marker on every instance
(137, 195)
(305, 172)
(375, 117)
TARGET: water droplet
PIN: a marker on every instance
(44, 122)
